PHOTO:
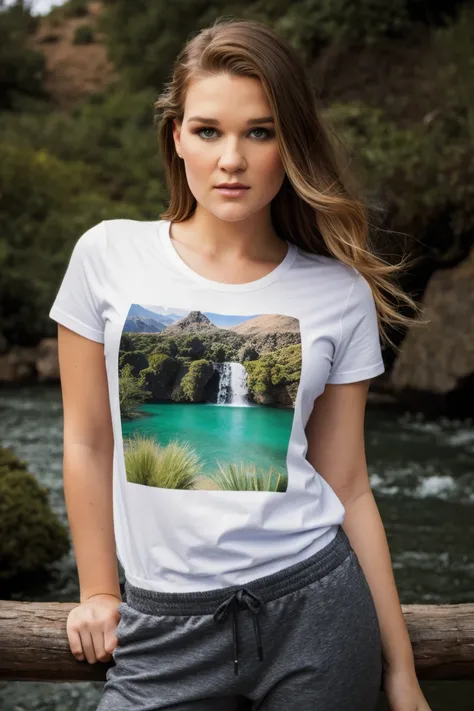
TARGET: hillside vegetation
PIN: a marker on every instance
(78, 143)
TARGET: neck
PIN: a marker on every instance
(253, 238)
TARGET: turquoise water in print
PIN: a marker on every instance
(256, 434)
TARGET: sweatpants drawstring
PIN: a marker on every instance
(243, 598)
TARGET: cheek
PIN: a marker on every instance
(196, 173)
(275, 162)
(197, 163)
(272, 168)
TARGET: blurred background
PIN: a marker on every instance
(78, 145)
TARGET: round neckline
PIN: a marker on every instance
(165, 234)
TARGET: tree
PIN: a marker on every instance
(22, 70)
(197, 377)
(132, 393)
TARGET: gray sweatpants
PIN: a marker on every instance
(303, 639)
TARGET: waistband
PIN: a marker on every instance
(268, 588)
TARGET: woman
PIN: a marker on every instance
(255, 558)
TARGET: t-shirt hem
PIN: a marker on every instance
(352, 376)
(77, 326)
(322, 540)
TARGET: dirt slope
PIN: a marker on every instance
(267, 324)
(73, 71)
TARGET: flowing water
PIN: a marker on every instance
(233, 388)
(422, 475)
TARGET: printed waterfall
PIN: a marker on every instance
(233, 387)
(207, 399)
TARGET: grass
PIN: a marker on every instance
(247, 477)
(177, 466)
(140, 459)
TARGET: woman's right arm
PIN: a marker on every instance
(87, 461)
(87, 472)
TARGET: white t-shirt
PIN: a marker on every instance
(211, 386)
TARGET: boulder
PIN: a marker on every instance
(435, 365)
(35, 364)
(18, 365)
(47, 362)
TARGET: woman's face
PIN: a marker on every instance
(228, 148)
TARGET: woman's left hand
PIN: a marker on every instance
(403, 691)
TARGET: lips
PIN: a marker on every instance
(232, 187)
(232, 192)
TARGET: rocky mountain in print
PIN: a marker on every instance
(194, 322)
(264, 333)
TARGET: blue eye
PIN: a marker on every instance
(265, 130)
(267, 133)
(204, 129)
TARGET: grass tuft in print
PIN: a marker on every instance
(175, 466)
(141, 455)
(247, 477)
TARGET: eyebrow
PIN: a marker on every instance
(250, 122)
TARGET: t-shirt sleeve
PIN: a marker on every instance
(358, 353)
(79, 302)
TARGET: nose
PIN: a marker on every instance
(232, 158)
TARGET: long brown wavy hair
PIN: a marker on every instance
(319, 207)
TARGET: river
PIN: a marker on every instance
(422, 475)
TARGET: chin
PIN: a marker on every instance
(234, 211)
(231, 213)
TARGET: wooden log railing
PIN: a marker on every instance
(34, 644)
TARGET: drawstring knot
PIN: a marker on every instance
(243, 598)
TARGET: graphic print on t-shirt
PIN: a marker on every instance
(206, 399)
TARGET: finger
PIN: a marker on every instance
(75, 644)
(104, 654)
(110, 639)
(88, 646)
(98, 641)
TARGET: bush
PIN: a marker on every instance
(308, 25)
(9, 460)
(424, 168)
(195, 380)
(137, 359)
(281, 368)
(159, 377)
(31, 536)
(22, 69)
(44, 210)
(50, 38)
(191, 347)
(84, 34)
(75, 8)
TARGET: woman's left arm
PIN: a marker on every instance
(336, 449)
